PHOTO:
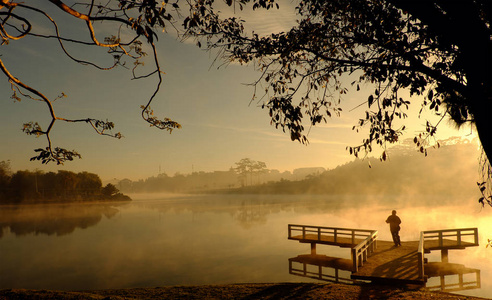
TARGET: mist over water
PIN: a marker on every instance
(190, 240)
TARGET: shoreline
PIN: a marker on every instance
(244, 291)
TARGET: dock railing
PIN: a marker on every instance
(420, 253)
(301, 232)
(363, 250)
(455, 237)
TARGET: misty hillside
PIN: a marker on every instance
(451, 169)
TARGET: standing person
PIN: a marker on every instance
(394, 222)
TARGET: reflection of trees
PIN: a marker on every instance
(52, 218)
(247, 210)
(250, 214)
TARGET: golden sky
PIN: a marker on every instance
(220, 125)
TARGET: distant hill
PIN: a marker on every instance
(450, 170)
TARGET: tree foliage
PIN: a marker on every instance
(437, 49)
(132, 23)
(247, 166)
(37, 186)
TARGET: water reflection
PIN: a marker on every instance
(452, 277)
(442, 276)
(322, 267)
(52, 219)
(247, 210)
(211, 239)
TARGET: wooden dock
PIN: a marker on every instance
(390, 263)
(380, 260)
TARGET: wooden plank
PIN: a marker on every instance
(433, 244)
(324, 261)
(327, 240)
(393, 264)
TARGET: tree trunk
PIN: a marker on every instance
(482, 114)
(483, 123)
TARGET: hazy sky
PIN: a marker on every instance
(220, 126)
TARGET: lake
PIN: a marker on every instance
(210, 239)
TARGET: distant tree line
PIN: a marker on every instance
(247, 166)
(38, 186)
(247, 172)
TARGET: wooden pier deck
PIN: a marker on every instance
(390, 263)
(344, 242)
(375, 260)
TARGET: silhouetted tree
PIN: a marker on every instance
(243, 168)
(22, 186)
(129, 24)
(247, 166)
(69, 181)
(109, 190)
(27, 186)
(50, 186)
(89, 185)
(259, 168)
(437, 49)
(5, 175)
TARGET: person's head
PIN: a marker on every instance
(393, 212)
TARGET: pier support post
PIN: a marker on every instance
(313, 248)
(444, 255)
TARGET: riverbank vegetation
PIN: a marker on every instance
(407, 172)
(63, 186)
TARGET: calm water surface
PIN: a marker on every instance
(193, 240)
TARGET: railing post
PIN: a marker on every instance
(420, 264)
(475, 235)
(334, 235)
(458, 237)
(319, 233)
(355, 264)
(440, 238)
(420, 253)
(303, 232)
(289, 229)
(353, 237)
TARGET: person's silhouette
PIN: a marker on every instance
(394, 222)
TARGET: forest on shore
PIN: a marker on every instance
(63, 186)
(450, 169)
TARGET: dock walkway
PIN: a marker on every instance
(390, 263)
(380, 260)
